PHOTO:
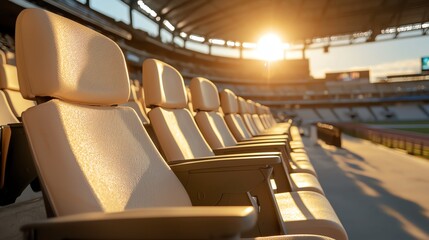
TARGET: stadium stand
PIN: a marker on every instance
(363, 114)
(166, 142)
(344, 114)
(327, 114)
(381, 113)
(307, 115)
(407, 112)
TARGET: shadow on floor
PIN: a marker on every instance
(366, 209)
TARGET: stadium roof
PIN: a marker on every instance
(293, 20)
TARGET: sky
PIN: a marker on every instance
(400, 56)
(394, 57)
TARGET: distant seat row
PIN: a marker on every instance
(116, 165)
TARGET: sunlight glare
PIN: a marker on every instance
(270, 47)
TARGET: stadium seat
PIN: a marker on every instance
(298, 212)
(215, 131)
(102, 177)
(6, 113)
(190, 107)
(10, 86)
(16, 167)
(236, 124)
(259, 124)
(135, 104)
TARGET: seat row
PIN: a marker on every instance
(111, 171)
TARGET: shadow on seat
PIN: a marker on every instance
(182, 141)
(101, 175)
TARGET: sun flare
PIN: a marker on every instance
(270, 47)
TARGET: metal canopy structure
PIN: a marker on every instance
(293, 20)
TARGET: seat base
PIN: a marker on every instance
(309, 213)
(305, 182)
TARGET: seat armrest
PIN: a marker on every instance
(252, 148)
(280, 171)
(227, 161)
(148, 223)
(258, 141)
(271, 136)
(234, 182)
(234, 156)
(224, 181)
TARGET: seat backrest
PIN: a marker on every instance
(171, 121)
(90, 154)
(210, 122)
(10, 86)
(235, 122)
(2, 57)
(243, 110)
(136, 105)
(6, 113)
(262, 116)
(190, 105)
(254, 116)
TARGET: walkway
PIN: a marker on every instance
(377, 192)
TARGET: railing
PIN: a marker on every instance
(329, 134)
(412, 143)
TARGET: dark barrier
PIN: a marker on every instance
(329, 134)
(412, 143)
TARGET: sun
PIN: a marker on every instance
(270, 47)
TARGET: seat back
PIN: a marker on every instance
(135, 104)
(210, 122)
(90, 154)
(243, 110)
(10, 87)
(254, 116)
(6, 113)
(190, 105)
(234, 121)
(262, 116)
(172, 122)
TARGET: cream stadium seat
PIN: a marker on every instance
(235, 122)
(101, 175)
(6, 114)
(298, 212)
(16, 166)
(265, 114)
(260, 127)
(244, 111)
(272, 130)
(215, 131)
(190, 106)
(135, 104)
(265, 120)
(10, 87)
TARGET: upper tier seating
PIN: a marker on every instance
(327, 115)
(408, 112)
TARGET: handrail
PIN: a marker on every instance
(412, 143)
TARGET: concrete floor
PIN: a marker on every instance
(377, 192)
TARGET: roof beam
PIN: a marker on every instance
(204, 20)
